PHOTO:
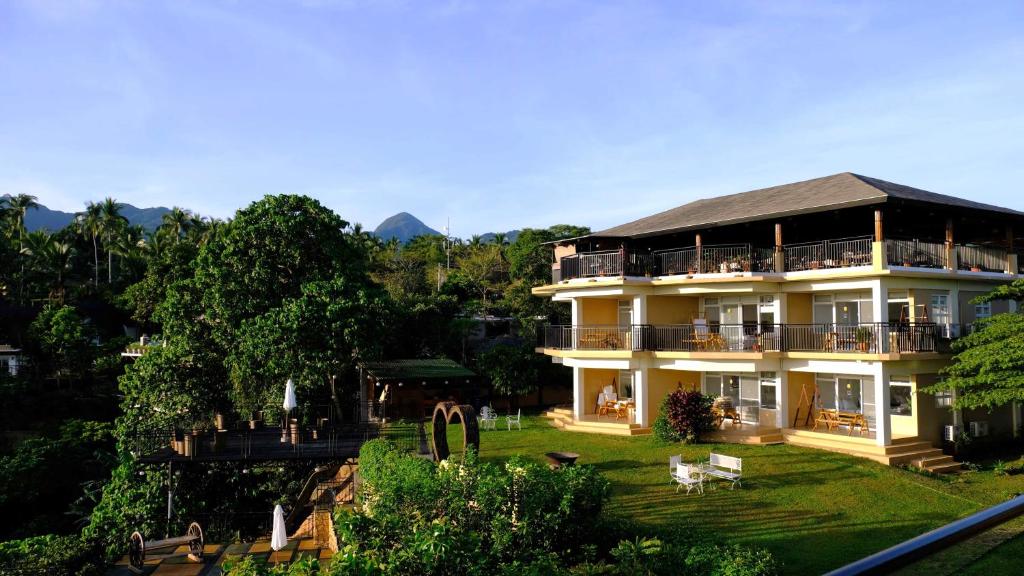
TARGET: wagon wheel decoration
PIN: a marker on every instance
(443, 413)
(195, 546)
(136, 550)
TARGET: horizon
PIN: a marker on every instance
(490, 113)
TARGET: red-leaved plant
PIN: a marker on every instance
(684, 416)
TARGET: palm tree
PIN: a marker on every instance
(475, 241)
(178, 222)
(500, 239)
(89, 223)
(112, 223)
(18, 206)
(50, 256)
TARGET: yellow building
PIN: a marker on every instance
(818, 309)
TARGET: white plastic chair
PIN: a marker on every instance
(689, 476)
(510, 420)
(488, 418)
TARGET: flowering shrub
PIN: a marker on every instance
(684, 416)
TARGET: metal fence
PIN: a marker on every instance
(840, 253)
(916, 254)
(566, 337)
(714, 338)
(981, 258)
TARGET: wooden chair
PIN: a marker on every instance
(827, 417)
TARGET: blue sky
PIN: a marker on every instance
(503, 114)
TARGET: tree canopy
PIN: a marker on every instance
(988, 368)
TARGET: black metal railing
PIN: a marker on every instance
(840, 253)
(981, 258)
(916, 254)
(865, 337)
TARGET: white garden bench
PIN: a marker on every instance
(727, 468)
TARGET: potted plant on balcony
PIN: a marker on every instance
(863, 338)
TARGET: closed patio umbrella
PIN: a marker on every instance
(289, 396)
(279, 538)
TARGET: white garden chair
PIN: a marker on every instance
(690, 477)
(488, 418)
(510, 420)
(673, 461)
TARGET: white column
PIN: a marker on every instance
(578, 400)
(954, 310)
(880, 310)
(575, 307)
(781, 308)
(883, 424)
(782, 398)
(640, 309)
(640, 396)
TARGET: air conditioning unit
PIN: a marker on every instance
(950, 433)
(979, 429)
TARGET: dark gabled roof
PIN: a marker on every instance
(416, 369)
(818, 195)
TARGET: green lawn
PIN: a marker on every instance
(814, 510)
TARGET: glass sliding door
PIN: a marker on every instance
(848, 396)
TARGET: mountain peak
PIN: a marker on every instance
(402, 226)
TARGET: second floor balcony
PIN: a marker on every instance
(867, 338)
(820, 255)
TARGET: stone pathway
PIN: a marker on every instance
(177, 563)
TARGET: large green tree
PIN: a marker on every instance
(988, 368)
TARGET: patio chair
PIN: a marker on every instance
(606, 401)
(704, 338)
(510, 420)
(488, 418)
(690, 477)
(673, 461)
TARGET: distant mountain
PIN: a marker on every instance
(53, 220)
(510, 236)
(402, 226)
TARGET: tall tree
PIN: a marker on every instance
(988, 368)
(177, 223)
(112, 224)
(18, 207)
(89, 224)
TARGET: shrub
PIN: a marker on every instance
(684, 416)
(51, 555)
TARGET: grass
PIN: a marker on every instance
(814, 510)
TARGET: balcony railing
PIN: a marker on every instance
(916, 254)
(981, 258)
(738, 258)
(869, 337)
(842, 253)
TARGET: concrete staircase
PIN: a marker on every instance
(561, 417)
(902, 451)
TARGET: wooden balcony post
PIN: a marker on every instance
(951, 262)
(1011, 255)
(878, 226)
(697, 241)
(780, 263)
(879, 256)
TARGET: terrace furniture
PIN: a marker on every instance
(704, 338)
(622, 408)
(853, 420)
(599, 341)
(673, 461)
(488, 418)
(510, 420)
(722, 409)
(827, 418)
(606, 401)
(689, 476)
(137, 546)
(727, 468)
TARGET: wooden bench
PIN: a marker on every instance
(137, 546)
(833, 419)
(727, 468)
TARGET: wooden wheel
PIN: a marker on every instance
(136, 551)
(195, 546)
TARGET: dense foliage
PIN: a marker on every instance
(988, 368)
(50, 555)
(683, 416)
(519, 517)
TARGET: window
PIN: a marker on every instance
(769, 391)
(625, 384)
(901, 397)
(982, 311)
(944, 399)
(839, 392)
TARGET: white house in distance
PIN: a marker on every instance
(10, 359)
(817, 311)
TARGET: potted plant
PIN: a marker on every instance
(975, 268)
(863, 337)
